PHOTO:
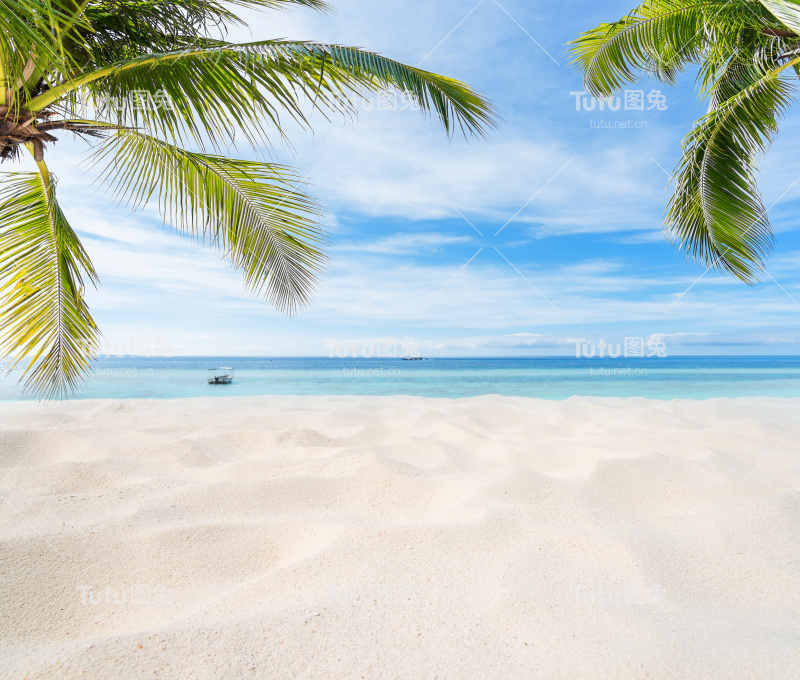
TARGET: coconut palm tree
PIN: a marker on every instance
(142, 79)
(748, 54)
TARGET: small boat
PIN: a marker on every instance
(412, 358)
(220, 376)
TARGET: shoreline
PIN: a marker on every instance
(380, 397)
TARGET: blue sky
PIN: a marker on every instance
(582, 258)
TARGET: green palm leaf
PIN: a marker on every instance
(250, 211)
(211, 89)
(45, 320)
(660, 35)
(129, 28)
(34, 33)
(787, 11)
(716, 213)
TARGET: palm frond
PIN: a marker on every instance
(661, 32)
(250, 211)
(319, 5)
(212, 89)
(34, 36)
(716, 213)
(662, 36)
(124, 29)
(742, 69)
(786, 11)
(44, 317)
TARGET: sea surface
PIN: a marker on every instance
(546, 378)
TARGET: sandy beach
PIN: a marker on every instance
(400, 537)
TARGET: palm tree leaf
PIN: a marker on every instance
(716, 213)
(659, 35)
(743, 68)
(35, 33)
(786, 11)
(43, 315)
(662, 37)
(122, 29)
(209, 90)
(249, 211)
(319, 5)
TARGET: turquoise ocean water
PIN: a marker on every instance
(546, 378)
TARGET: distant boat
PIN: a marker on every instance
(220, 376)
(412, 358)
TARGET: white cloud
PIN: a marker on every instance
(403, 244)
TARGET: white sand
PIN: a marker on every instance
(400, 537)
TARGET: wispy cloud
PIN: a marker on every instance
(403, 244)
